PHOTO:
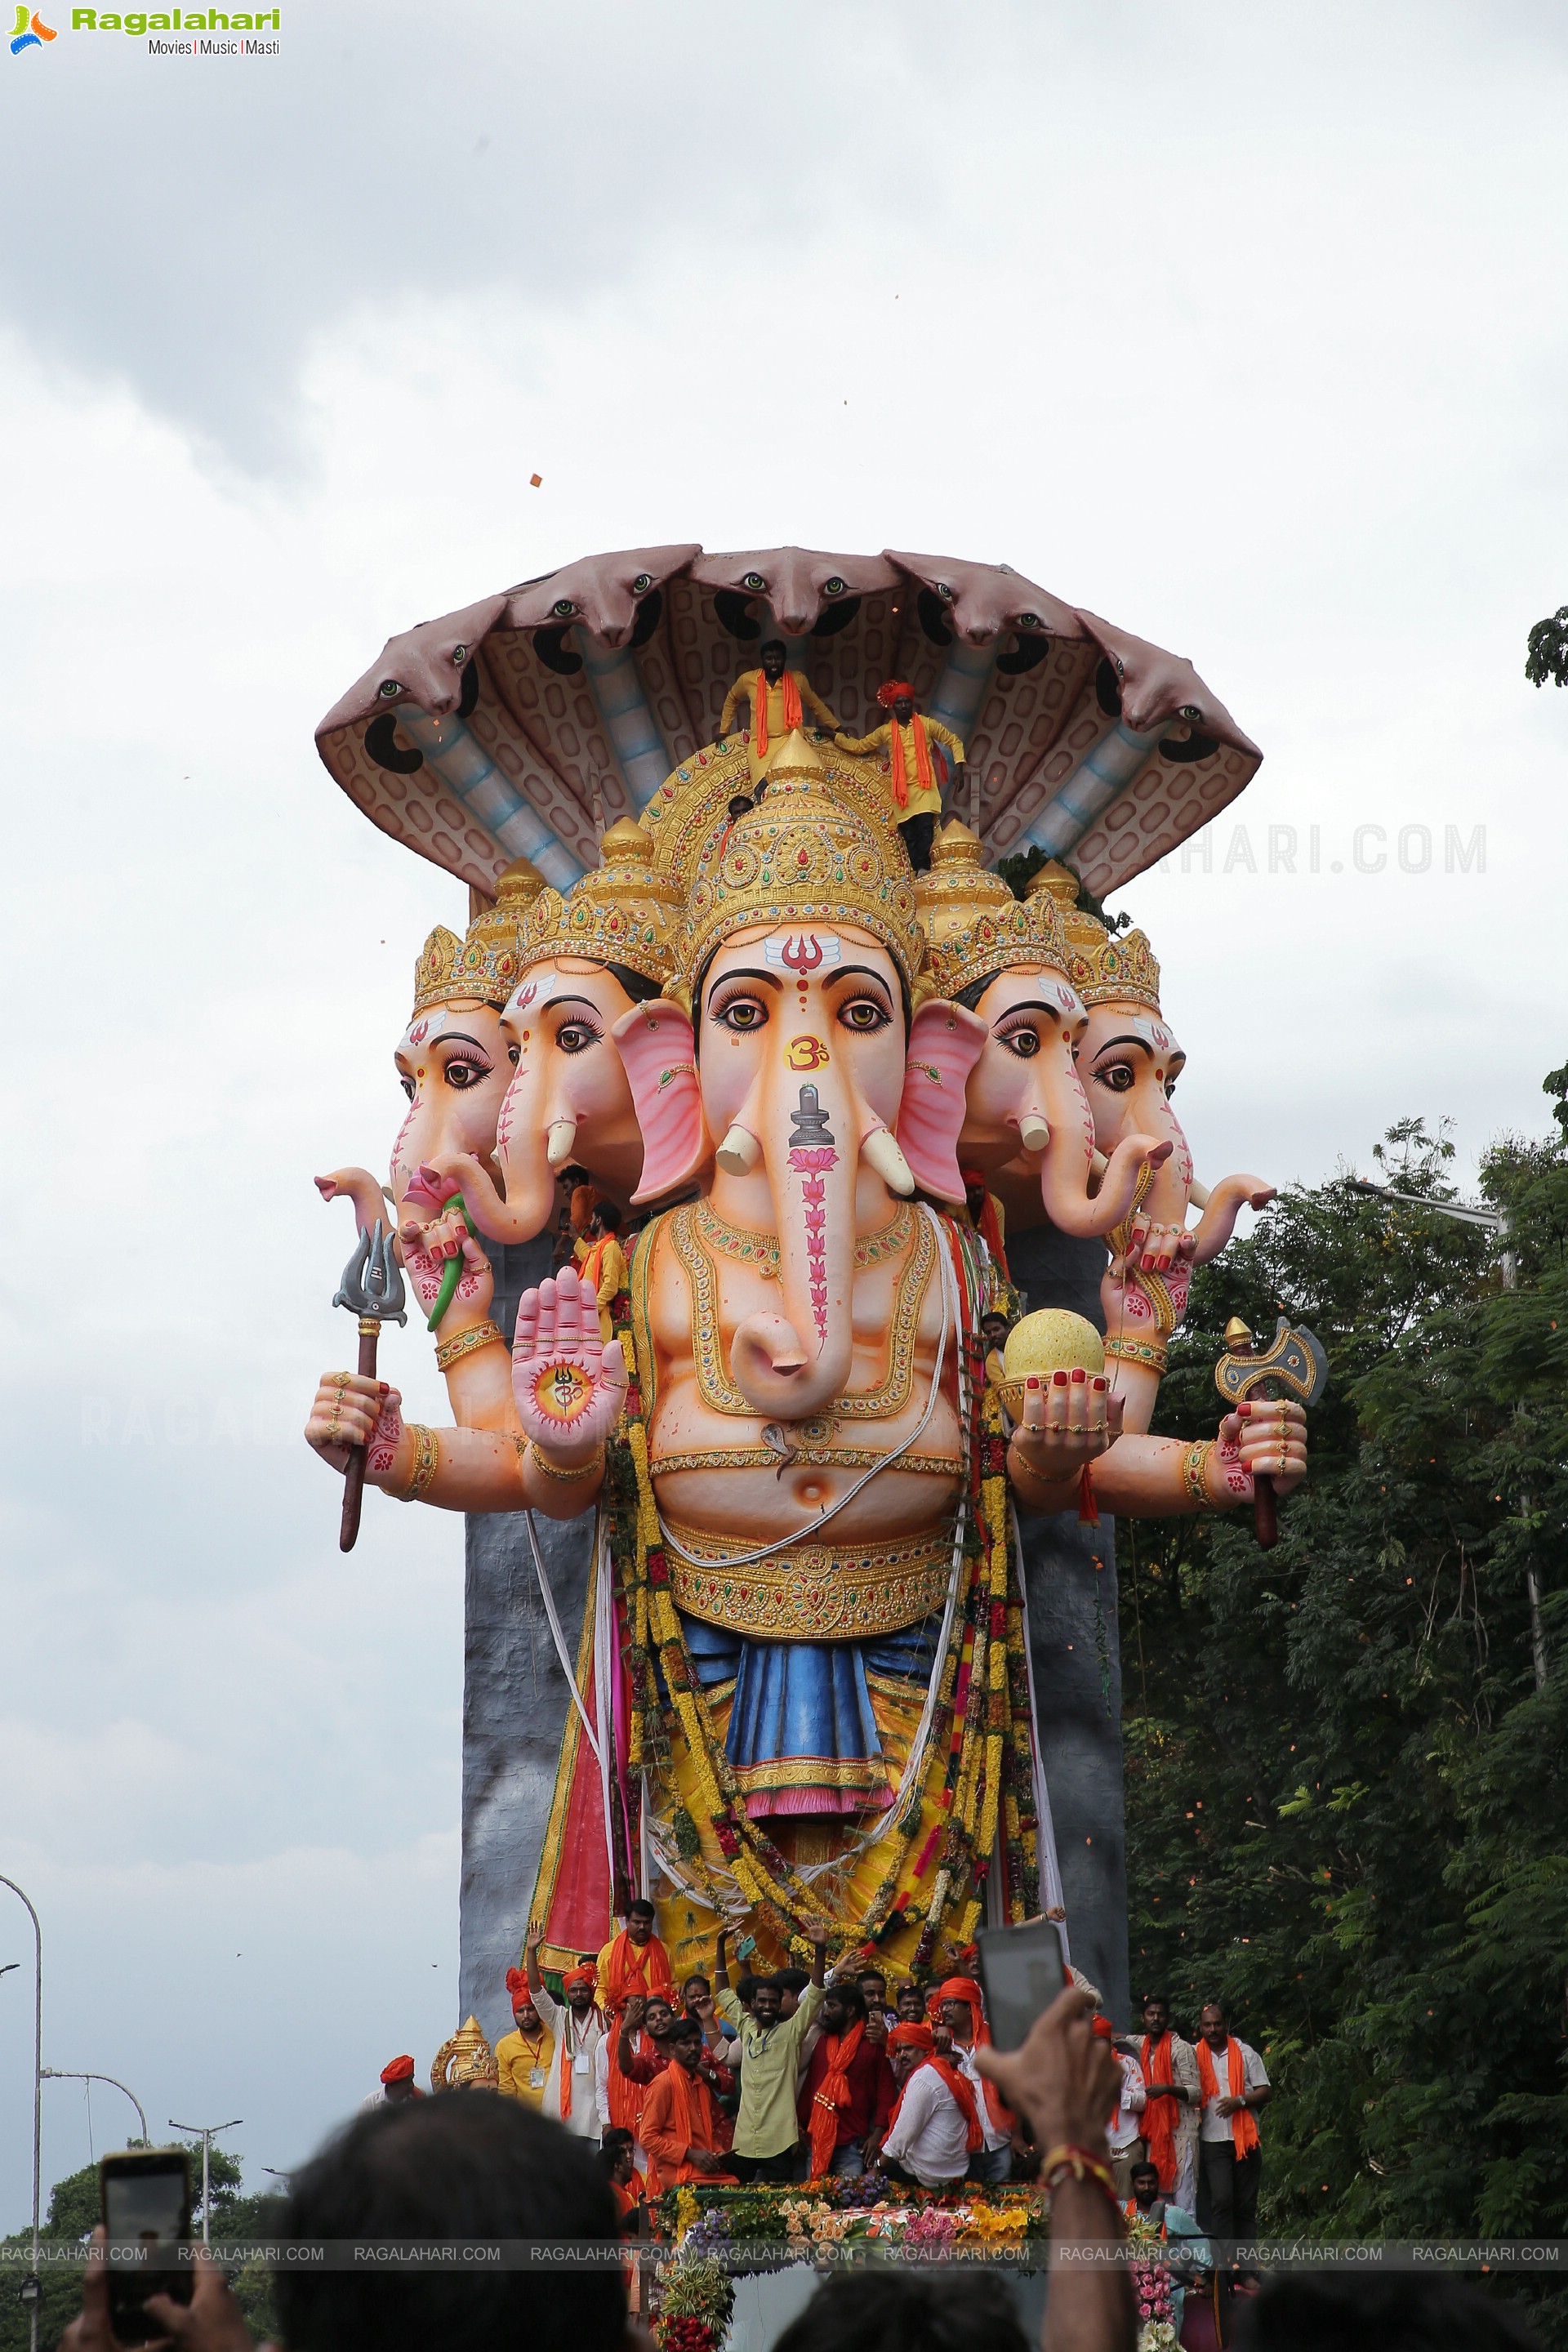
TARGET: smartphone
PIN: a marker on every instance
(146, 2198)
(1022, 1970)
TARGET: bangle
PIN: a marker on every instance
(1194, 1473)
(590, 1468)
(1152, 1352)
(1083, 2165)
(467, 1343)
(427, 1461)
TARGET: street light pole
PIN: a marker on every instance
(75, 2074)
(208, 2132)
(38, 2097)
(1495, 1222)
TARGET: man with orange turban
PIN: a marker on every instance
(523, 2055)
(632, 1965)
(779, 698)
(934, 2129)
(964, 2014)
(916, 796)
(578, 2027)
(397, 2083)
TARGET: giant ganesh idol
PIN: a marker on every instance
(800, 1693)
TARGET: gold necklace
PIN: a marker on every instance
(761, 1250)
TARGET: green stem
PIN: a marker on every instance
(453, 1275)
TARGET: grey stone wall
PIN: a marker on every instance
(515, 1702)
(515, 1697)
(1070, 1574)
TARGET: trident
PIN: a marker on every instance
(372, 1289)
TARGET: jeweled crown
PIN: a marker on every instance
(1104, 966)
(622, 913)
(802, 857)
(973, 925)
(486, 964)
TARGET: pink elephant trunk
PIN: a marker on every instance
(794, 1364)
(358, 1185)
(1070, 1211)
(1224, 1205)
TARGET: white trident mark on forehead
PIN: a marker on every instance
(1155, 1035)
(419, 1032)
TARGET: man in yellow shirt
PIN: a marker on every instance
(916, 796)
(524, 2056)
(605, 1266)
(779, 698)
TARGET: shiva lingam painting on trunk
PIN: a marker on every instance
(757, 991)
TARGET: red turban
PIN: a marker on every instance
(888, 694)
(588, 1975)
(912, 2037)
(1104, 2028)
(517, 1986)
(398, 2070)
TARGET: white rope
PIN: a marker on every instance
(1045, 1827)
(560, 1639)
(604, 1656)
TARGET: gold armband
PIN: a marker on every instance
(427, 1461)
(1152, 1352)
(590, 1468)
(467, 1343)
(1194, 1473)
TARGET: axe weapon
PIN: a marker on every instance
(372, 1289)
(1292, 1365)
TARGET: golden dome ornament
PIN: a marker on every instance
(973, 925)
(485, 966)
(464, 2061)
(1103, 965)
(624, 912)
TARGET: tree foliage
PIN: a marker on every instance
(1546, 652)
(1344, 1787)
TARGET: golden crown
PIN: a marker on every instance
(800, 857)
(973, 925)
(486, 965)
(465, 2059)
(622, 913)
(1104, 966)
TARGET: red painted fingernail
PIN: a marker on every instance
(1058, 1379)
(1099, 1381)
(382, 1388)
(1078, 1374)
(1033, 1381)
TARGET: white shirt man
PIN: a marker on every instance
(577, 2040)
(1216, 2127)
(930, 2137)
(1126, 2134)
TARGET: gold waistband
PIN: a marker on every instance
(806, 1458)
(810, 1592)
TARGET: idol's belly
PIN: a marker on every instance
(750, 1507)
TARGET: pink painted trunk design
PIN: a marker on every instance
(358, 1185)
(655, 1042)
(812, 1165)
(945, 1042)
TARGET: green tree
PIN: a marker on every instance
(1345, 1815)
(1546, 652)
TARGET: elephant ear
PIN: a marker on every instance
(654, 1040)
(945, 1042)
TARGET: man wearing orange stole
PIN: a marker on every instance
(779, 698)
(685, 2132)
(916, 796)
(632, 1964)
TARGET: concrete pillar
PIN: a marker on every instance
(1070, 1576)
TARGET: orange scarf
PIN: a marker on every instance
(1159, 2121)
(625, 2097)
(1243, 2129)
(635, 1968)
(626, 2197)
(569, 2047)
(589, 1270)
(963, 2096)
(966, 1988)
(922, 759)
(791, 709)
(698, 2123)
(832, 2093)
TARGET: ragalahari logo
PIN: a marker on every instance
(30, 32)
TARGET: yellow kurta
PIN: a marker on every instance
(751, 686)
(922, 803)
(522, 2064)
(606, 1267)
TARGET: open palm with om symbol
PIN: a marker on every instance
(569, 1384)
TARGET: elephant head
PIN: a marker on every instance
(791, 1068)
(451, 1059)
(591, 957)
(1006, 962)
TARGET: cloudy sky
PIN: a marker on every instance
(1240, 324)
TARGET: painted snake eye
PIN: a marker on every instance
(642, 584)
(460, 655)
(834, 587)
(944, 591)
(1028, 621)
(1191, 712)
(563, 608)
(387, 689)
(754, 582)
